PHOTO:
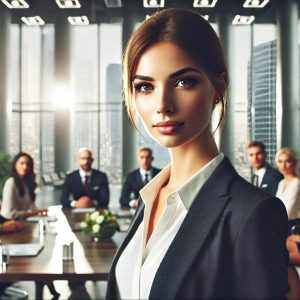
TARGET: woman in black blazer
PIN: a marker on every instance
(200, 231)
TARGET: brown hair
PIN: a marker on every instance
(29, 178)
(259, 144)
(146, 149)
(187, 30)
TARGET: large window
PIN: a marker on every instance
(96, 88)
(31, 62)
(262, 88)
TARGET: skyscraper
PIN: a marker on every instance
(262, 97)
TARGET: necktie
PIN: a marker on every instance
(146, 178)
(255, 180)
(86, 184)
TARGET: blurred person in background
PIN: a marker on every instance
(18, 199)
(85, 187)
(136, 179)
(264, 176)
(289, 187)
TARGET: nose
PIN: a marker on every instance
(165, 103)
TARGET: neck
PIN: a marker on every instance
(189, 158)
(261, 167)
(290, 177)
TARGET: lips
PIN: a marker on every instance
(168, 127)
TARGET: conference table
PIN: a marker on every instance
(91, 260)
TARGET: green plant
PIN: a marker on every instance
(4, 169)
(99, 222)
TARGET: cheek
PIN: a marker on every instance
(145, 109)
(197, 105)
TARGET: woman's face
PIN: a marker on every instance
(285, 165)
(173, 96)
(22, 166)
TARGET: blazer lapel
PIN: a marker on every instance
(79, 183)
(191, 237)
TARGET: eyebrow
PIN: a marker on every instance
(173, 75)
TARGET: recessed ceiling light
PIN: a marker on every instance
(113, 3)
(79, 20)
(255, 3)
(243, 20)
(34, 20)
(16, 3)
(68, 3)
(154, 3)
(204, 3)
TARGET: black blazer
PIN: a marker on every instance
(133, 184)
(270, 180)
(231, 245)
(98, 188)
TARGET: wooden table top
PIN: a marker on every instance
(92, 260)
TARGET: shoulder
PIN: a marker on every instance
(273, 171)
(247, 198)
(72, 174)
(155, 170)
(10, 182)
(296, 183)
(133, 173)
(98, 173)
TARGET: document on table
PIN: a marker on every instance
(30, 249)
(44, 218)
(83, 210)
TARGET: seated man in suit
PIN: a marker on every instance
(88, 187)
(264, 177)
(138, 178)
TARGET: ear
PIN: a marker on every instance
(222, 84)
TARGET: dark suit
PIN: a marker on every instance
(133, 184)
(231, 245)
(98, 188)
(270, 180)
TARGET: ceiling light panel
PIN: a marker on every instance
(154, 3)
(255, 3)
(204, 3)
(113, 3)
(16, 3)
(68, 3)
(79, 20)
(33, 21)
(243, 20)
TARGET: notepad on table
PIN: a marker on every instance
(30, 249)
(83, 210)
(44, 218)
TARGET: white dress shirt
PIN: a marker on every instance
(143, 174)
(260, 173)
(83, 174)
(140, 260)
(290, 196)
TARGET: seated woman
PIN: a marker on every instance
(19, 190)
(289, 187)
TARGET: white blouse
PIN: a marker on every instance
(290, 197)
(13, 205)
(138, 264)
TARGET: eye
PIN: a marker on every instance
(186, 82)
(142, 87)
